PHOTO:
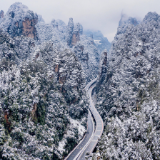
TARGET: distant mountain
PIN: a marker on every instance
(71, 36)
(100, 41)
(126, 21)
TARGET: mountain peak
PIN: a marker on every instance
(18, 8)
(19, 20)
(151, 16)
(124, 22)
(125, 19)
(1, 14)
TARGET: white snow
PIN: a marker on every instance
(77, 124)
(61, 145)
(97, 41)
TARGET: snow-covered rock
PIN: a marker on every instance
(19, 20)
(126, 21)
(43, 100)
(1, 14)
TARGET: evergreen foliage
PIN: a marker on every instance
(128, 98)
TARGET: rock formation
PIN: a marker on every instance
(81, 29)
(103, 70)
(54, 24)
(76, 34)
(70, 31)
(55, 31)
(28, 28)
(103, 65)
(73, 33)
(19, 20)
(88, 55)
(1, 14)
(81, 54)
(124, 22)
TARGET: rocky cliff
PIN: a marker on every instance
(76, 34)
(128, 98)
(88, 55)
(19, 20)
(103, 67)
(73, 33)
(70, 28)
(43, 105)
(1, 14)
(71, 36)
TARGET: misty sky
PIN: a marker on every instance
(102, 15)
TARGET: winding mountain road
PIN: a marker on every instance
(94, 131)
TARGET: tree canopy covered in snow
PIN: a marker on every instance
(43, 104)
(128, 98)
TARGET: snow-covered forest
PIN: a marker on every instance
(44, 68)
(128, 93)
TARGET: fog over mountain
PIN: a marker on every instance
(98, 15)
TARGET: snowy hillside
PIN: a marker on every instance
(42, 97)
(128, 97)
(71, 36)
(43, 104)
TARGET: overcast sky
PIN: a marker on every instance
(102, 15)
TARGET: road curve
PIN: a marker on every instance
(90, 140)
(99, 124)
(77, 150)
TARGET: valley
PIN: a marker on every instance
(67, 93)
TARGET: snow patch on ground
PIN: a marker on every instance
(61, 146)
(77, 124)
(74, 124)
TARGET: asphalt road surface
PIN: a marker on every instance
(98, 130)
(90, 139)
(87, 136)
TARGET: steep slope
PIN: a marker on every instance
(42, 102)
(71, 36)
(124, 22)
(128, 97)
(88, 55)
(43, 105)
(19, 20)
